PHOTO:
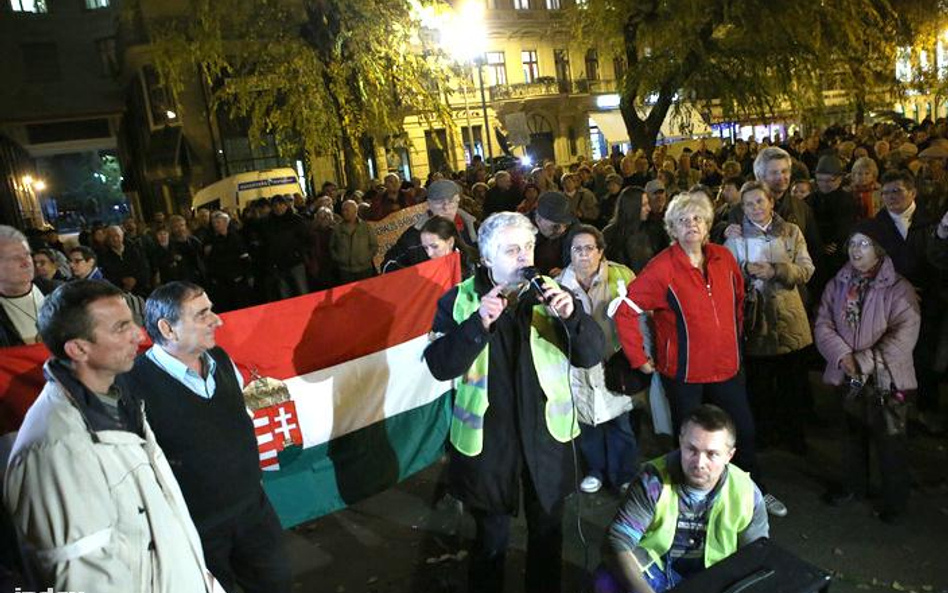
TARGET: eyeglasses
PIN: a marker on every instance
(687, 220)
(861, 243)
(582, 249)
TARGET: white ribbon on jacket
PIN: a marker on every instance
(623, 297)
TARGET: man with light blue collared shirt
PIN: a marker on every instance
(193, 398)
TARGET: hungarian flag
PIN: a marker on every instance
(363, 411)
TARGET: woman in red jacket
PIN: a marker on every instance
(695, 292)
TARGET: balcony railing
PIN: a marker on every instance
(548, 86)
(545, 85)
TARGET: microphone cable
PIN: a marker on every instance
(531, 275)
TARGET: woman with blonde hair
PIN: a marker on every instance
(695, 291)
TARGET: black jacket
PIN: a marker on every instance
(285, 240)
(501, 200)
(910, 255)
(132, 263)
(407, 251)
(514, 425)
(227, 258)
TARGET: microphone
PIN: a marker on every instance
(532, 276)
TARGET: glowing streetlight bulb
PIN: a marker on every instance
(463, 34)
(39, 185)
(27, 180)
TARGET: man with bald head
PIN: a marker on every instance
(353, 245)
(124, 265)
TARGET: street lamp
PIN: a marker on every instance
(39, 185)
(464, 37)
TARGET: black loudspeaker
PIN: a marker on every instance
(761, 567)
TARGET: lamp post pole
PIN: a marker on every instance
(479, 62)
(470, 128)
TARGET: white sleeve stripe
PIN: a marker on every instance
(76, 549)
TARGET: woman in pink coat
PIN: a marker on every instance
(866, 330)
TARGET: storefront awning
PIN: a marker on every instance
(611, 125)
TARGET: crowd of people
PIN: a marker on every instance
(712, 280)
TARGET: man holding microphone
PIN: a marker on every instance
(510, 348)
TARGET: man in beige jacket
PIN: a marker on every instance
(91, 495)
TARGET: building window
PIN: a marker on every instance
(40, 62)
(466, 140)
(497, 67)
(96, 4)
(553, 4)
(618, 66)
(37, 6)
(592, 65)
(436, 143)
(162, 109)
(108, 60)
(531, 68)
(521, 4)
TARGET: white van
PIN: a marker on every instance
(237, 191)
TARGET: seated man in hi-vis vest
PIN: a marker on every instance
(684, 511)
(513, 414)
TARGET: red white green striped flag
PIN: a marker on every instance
(364, 412)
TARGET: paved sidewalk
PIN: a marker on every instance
(400, 541)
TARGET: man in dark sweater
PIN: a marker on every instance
(193, 398)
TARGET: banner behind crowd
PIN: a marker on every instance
(363, 411)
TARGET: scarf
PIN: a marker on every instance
(856, 294)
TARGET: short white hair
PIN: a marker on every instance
(684, 203)
(8, 233)
(487, 233)
(771, 153)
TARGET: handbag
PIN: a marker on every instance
(621, 377)
(752, 304)
(877, 406)
(751, 309)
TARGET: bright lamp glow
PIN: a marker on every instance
(39, 185)
(27, 180)
(463, 34)
(526, 161)
(607, 101)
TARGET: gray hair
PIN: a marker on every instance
(771, 153)
(684, 203)
(866, 163)
(487, 234)
(220, 214)
(8, 233)
(165, 302)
